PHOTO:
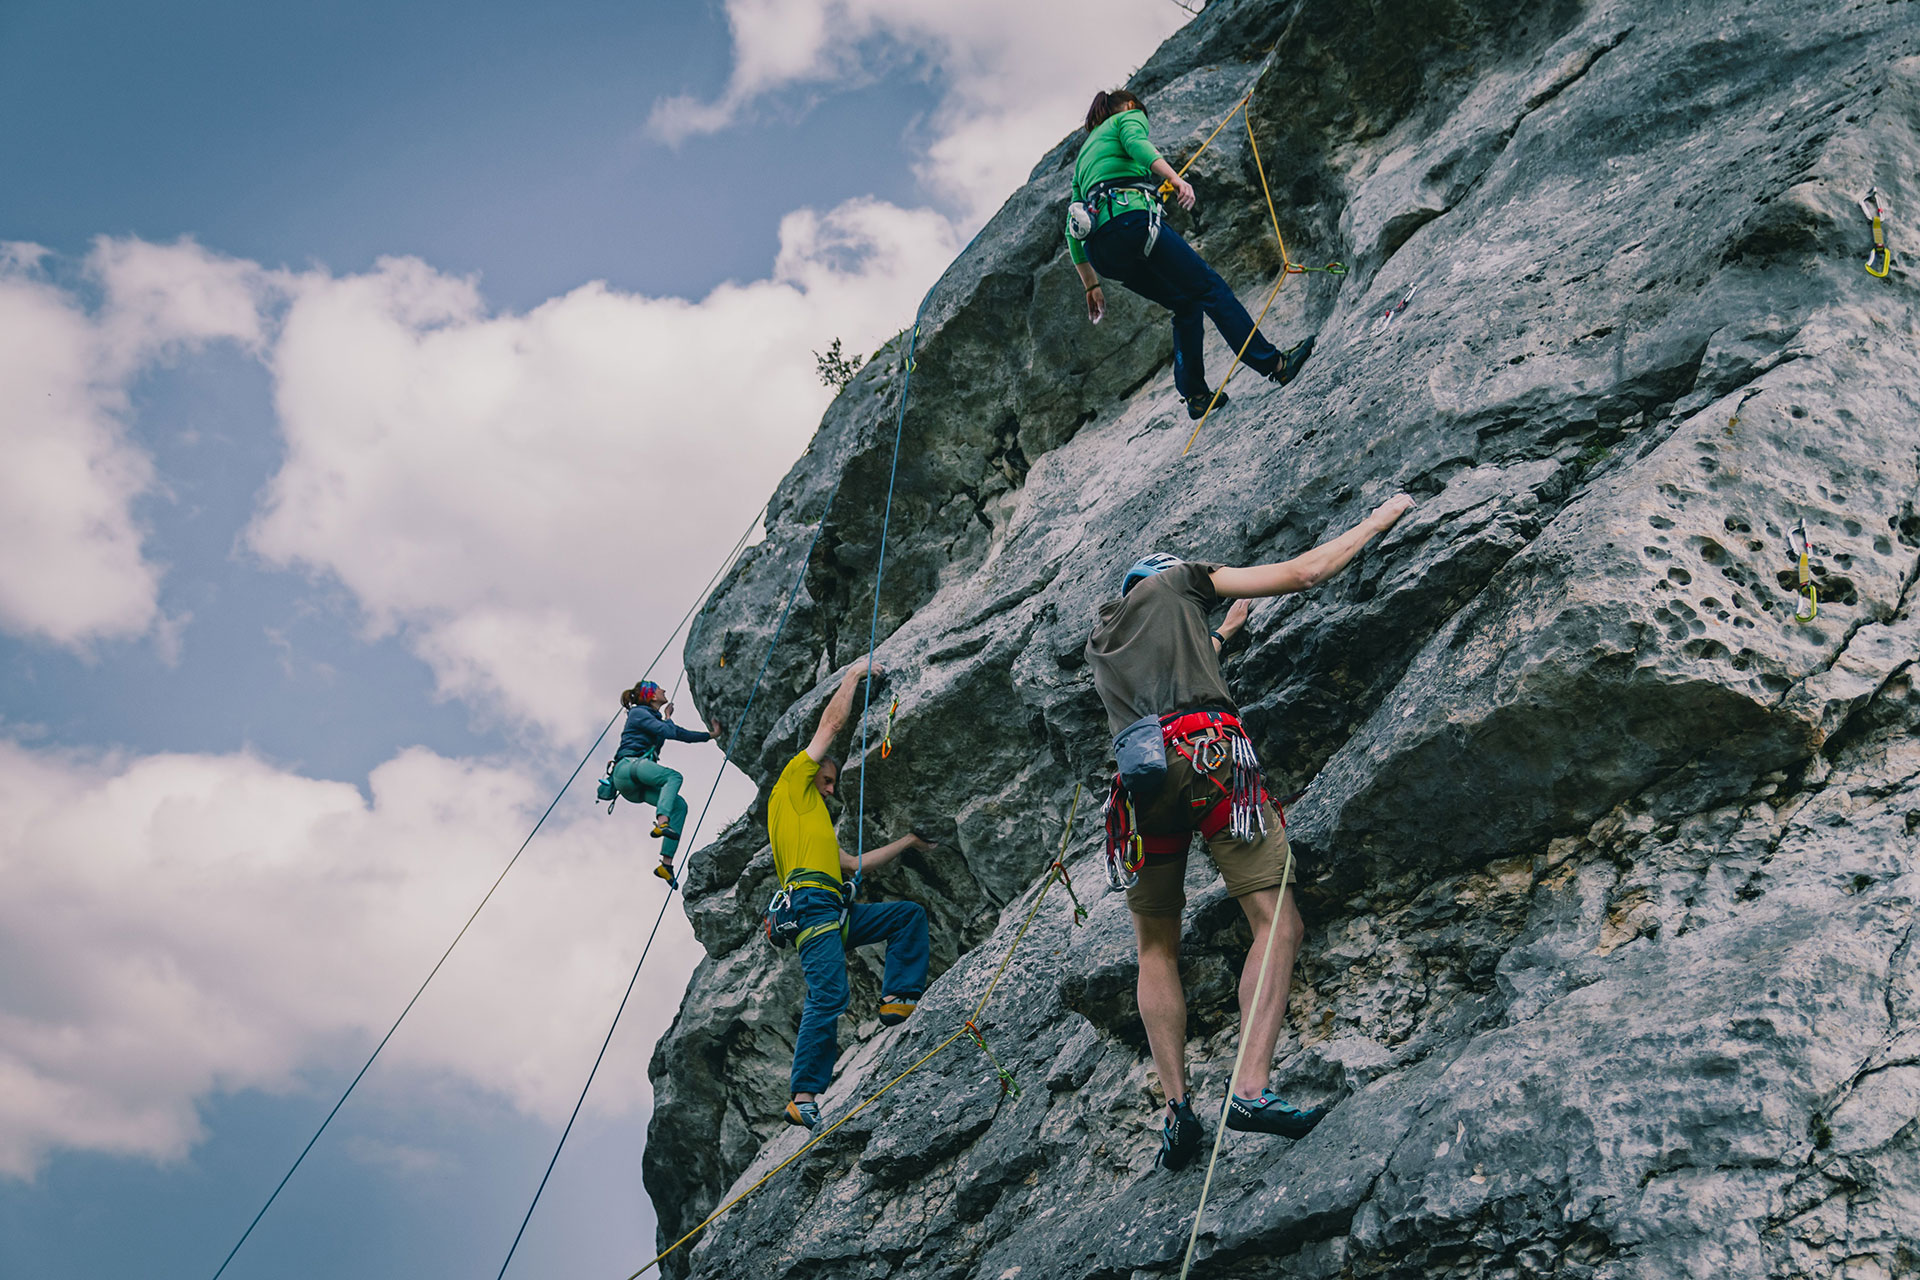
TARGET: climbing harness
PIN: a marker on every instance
(1393, 312)
(970, 1025)
(783, 926)
(1208, 740)
(1288, 267)
(886, 735)
(1875, 211)
(1088, 215)
(1800, 548)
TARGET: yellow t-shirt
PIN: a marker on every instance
(799, 825)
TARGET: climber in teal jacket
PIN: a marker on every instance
(639, 776)
(1114, 231)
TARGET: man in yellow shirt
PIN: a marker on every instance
(808, 859)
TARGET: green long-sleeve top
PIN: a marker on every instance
(1117, 148)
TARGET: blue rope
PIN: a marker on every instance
(879, 569)
(732, 740)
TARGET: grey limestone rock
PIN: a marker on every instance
(1609, 863)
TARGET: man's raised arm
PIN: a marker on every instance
(1312, 567)
(838, 709)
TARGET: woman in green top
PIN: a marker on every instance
(1115, 181)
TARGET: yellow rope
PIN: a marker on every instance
(1220, 1130)
(924, 1059)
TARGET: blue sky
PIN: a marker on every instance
(372, 379)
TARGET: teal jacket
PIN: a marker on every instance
(1117, 148)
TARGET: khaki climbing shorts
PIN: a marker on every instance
(1247, 866)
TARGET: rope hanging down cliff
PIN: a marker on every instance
(968, 1029)
(474, 915)
(733, 739)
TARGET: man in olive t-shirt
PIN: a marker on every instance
(1154, 655)
(808, 859)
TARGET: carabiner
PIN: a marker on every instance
(1809, 608)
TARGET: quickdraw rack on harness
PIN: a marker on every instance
(1208, 740)
(1875, 211)
(1799, 547)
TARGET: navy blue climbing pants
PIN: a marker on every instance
(1180, 280)
(643, 781)
(901, 925)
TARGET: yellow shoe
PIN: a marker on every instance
(665, 872)
(895, 1012)
(662, 828)
(804, 1114)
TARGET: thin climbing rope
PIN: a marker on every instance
(1239, 1055)
(967, 1028)
(367, 1065)
(733, 739)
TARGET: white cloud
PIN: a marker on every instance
(175, 925)
(73, 568)
(1015, 76)
(534, 499)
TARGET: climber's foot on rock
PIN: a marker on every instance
(1197, 405)
(1180, 1137)
(1268, 1114)
(1292, 360)
(805, 1114)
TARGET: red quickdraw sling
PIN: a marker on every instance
(1207, 740)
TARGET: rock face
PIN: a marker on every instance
(1609, 863)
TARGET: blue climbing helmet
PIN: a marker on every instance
(1145, 567)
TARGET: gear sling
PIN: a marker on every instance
(1206, 740)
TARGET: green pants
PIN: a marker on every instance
(644, 781)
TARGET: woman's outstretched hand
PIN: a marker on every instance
(1183, 191)
(1096, 304)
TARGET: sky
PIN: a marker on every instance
(379, 385)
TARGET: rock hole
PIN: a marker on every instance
(1735, 524)
(1660, 522)
(1679, 576)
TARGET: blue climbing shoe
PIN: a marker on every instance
(1180, 1138)
(1292, 360)
(1268, 1114)
(1197, 405)
(804, 1114)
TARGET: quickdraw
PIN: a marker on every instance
(1798, 546)
(1393, 312)
(886, 736)
(1126, 848)
(1875, 211)
(1009, 1087)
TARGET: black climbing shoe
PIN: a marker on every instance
(1180, 1139)
(1197, 405)
(804, 1114)
(1268, 1114)
(1292, 361)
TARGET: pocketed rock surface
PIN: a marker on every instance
(1609, 863)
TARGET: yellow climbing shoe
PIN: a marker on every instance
(804, 1114)
(664, 871)
(895, 1012)
(661, 827)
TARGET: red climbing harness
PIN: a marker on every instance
(1206, 740)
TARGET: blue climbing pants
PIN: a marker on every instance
(1180, 280)
(644, 781)
(902, 926)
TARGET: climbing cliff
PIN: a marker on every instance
(1609, 862)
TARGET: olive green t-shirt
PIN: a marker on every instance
(1117, 148)
(1152, 654)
